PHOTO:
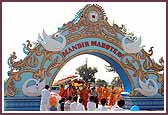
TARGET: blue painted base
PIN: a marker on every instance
(33, 103)
(22, 104)
(145, 103)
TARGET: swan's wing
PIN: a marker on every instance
(135, 43)
(30, 89)
(40, 38)
(44, 34)
(153, 83)
(142, 84)
(41, 84)
(135, 50)
(130, 46)
(132, 49)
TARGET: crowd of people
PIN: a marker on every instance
(87, 99)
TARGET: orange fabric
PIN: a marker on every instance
(106, 93)
(62, 92)
(53, 100)
(74, 91)
(84, 95)
(112, 97)
(69, 92)
(100, 92)
(119, 92)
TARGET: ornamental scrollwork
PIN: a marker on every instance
(143, 66)
(31, 64)
(10, 88)
(89, 22)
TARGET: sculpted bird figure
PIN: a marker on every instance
(35, 89)
(132, 47)
(50, 43)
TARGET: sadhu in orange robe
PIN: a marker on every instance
(106, 93)
(100, 92)
(62, 92)
(112, 97)
(84, 95)
(69, 92)
(121, 89)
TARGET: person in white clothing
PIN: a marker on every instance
(45, 96)
(91, 106)
(80, 105)
(67, 104)
(118, 106)
(103, 103)
(74, 104)
(95, 95)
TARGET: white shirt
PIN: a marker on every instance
(73, 106)
(102, 108)
(80, 107)
(91, 106)
(117, 108)
(67, 105)
(45, 95)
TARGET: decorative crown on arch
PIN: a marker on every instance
(89, 22)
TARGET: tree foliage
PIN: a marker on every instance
(101, 82)
(116, 81)
(87, 73)
(109, 68)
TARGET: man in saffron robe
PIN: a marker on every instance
(106, 93)
(84, 95)
(121, 89)
(74, 91)
(100, 92)
(69, 91)
(62, 91)
(112, 96)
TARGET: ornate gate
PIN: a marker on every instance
(88, 33)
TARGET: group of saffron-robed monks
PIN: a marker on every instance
(97, 93)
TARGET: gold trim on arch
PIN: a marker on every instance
(96, 51)
(90, 30)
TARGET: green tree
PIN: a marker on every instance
(87, 73)
(116, 81)
(101, 82)
(110, 68)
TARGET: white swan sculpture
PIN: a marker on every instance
(146, 89)
(133, 47)
(50, 43)
(33, 90)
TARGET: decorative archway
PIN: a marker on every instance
(88, 33)
(128, 83)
